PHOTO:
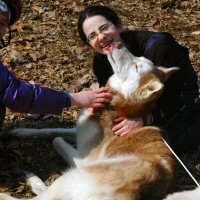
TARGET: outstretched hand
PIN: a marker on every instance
(125, 126)
(91, 99)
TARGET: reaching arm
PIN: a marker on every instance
(29, 98)
(32, 98)
(93, 98)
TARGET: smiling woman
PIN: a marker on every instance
(33, 98)
(103, 29)
(100, 33)
(178, 110)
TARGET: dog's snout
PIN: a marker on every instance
(118, 45)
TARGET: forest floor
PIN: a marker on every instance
(46, 49)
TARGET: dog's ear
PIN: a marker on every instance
(165, 73)
(151, 91)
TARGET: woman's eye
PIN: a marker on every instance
(91, 37)
(105, 28)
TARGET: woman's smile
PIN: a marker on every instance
(107, 42)
(101, 33)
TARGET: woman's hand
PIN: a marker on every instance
(91, 99)
(125, 126)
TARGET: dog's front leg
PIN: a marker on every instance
(66, 150)
(36, 184)
(46, 133)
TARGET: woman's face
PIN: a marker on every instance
(101, 33)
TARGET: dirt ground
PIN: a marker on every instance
(46, 50)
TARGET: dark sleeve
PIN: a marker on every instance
(181, 89)
(102, 69)
(29, 98)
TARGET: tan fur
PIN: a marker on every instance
(150, 172)
(138, 166)
(148, 168)
(134, 106)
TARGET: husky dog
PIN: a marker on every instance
(138, 166)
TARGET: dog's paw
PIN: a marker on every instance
(36, 184)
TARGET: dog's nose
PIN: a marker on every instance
(118, 45)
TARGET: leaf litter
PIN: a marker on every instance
(46, 50)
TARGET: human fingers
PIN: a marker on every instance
(126, 126)
(98, 105)
(125, 130)
(104, 95)
(119, 119)
(118, 127)
(101, 100)
(102, 89)
(122, 131)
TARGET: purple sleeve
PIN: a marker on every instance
(29, 98)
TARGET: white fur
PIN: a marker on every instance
(186, 195)
(36, 184)
(89, 133)
(66, 150)
(81, 183)
(69, 134)
(126, 79)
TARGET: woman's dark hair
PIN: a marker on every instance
(91, 11)
(15, 8)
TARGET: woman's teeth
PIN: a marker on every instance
(107, 44)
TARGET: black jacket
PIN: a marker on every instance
(180, 90)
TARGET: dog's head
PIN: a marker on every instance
(136, 83)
